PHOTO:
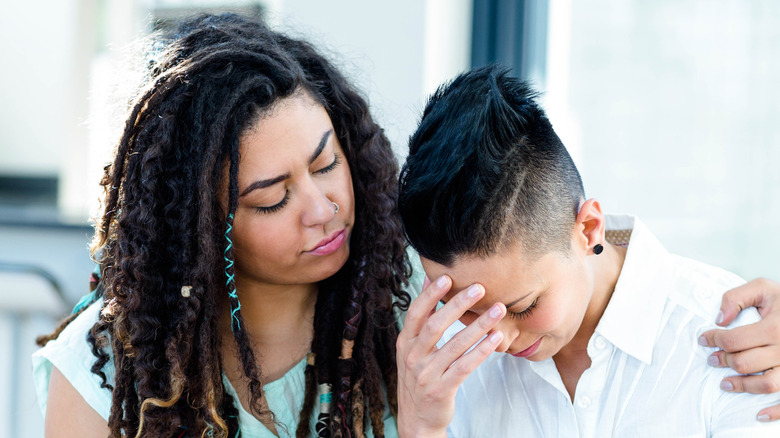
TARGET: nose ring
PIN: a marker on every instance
(335, 205)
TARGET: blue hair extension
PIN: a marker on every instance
(235, 324)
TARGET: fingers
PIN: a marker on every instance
(421, 307)
(767, 383)
(751, 294)
(434, 328)
(746, 362)
(458, 371)
(769, 414)
(468, 337)
(739, 338)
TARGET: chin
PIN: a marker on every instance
(333, 264)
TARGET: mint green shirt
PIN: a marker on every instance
(72, 355)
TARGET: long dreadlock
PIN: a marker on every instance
(163, 227)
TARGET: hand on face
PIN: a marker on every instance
(753, 348)
(428, 377)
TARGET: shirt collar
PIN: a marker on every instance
(633, 315)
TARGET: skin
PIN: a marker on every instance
(559, 305)
(276, 273)
(278, 292)
(67, 413)
(429, 376)
(753, 348)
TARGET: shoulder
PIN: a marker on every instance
(694, 292)
(699, 288)
(72, 355)
(694, 299)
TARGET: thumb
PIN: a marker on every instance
(750, 294)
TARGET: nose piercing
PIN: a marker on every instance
(335, 205)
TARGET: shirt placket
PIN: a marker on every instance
(591, 386)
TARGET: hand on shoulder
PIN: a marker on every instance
(750, 349)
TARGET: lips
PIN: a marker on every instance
(330, 244)
(530, 350)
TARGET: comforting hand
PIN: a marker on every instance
(428, 377)
(753, 348)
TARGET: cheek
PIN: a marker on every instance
(347, 191)
(545, 319)
(551, 314)
(256, 238)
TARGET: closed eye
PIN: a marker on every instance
(525, 313)
(274, 208)
(331, 166)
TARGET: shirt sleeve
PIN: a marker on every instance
(72, 354)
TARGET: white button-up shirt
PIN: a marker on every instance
(648, 376)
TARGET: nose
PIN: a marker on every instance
(318, 209)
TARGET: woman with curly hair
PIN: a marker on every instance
(251, 260)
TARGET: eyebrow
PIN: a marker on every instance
(321, 146)
(510, 304)
(263, 183)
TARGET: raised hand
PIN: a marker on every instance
(428, 377)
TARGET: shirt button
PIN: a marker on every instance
(703, 293)
(600, 343)
(584, 402)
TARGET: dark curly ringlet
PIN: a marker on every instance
(164, 227)
(485, 171)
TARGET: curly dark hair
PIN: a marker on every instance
(163, 226)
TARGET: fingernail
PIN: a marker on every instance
(473, 291)
(763, 418)
(719, 319)
(713, 361)
(441, 282)
(495, 337)
(495, 312)
(703, 341)
(726, 386)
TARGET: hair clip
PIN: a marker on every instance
(186, 291)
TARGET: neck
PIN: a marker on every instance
(279, 322)
(606, 271)
(272, 313)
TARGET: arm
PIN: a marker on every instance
(428, 377)
(68, 415)
(753, 348)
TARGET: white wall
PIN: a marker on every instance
(671, 109)
(397, 52)
(37, 48)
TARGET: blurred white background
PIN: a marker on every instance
(669, 107)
